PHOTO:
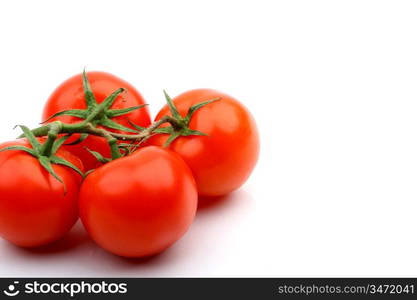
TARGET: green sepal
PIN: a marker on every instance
(125, 144)
(31, 138)
(82, 137)
(165, 130)
(90, 99)
(188, 132)
(114, 125)
(139, 128)
(46, 163)
(60, 161)
(125, 149)
(108, 102)
(172, 138)
(40, 131)
(58, 143)
(120, 112)
(98, 156)
(181, 126)
(173, 109)
(132, 146)
(196, 107)
(19, 148)
(88, 172)
(175, 134)
(79, 113)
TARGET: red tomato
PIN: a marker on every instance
(34, 210)
(140, 204)
(222, 161)
(70, 95)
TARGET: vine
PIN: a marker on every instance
(96, 119)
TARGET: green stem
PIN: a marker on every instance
(53, 132)
(114, 149)
(148, 131)
(115, 153)
(87, 127)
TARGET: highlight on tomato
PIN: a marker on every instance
(216, 136)
(139, 205)
(77, 98)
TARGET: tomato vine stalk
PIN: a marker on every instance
(94, 121)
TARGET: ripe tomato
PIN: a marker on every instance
(140, 204)
(70, 95)
(34, 210)
(222, 161)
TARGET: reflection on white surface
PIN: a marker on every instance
(216, 229)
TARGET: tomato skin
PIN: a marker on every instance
(70, 95)
(222, 161)
(92, 142)
(139, 205)
(34, 211)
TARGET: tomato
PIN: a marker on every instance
(222, 161)
(140, 204)
(34, 210)
(70, 95)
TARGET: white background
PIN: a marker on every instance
(332, 85)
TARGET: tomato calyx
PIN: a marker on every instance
(46, 152)
(98, 114)
(179, 124)
(96, 120)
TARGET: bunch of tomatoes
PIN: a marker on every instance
(134, 184)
